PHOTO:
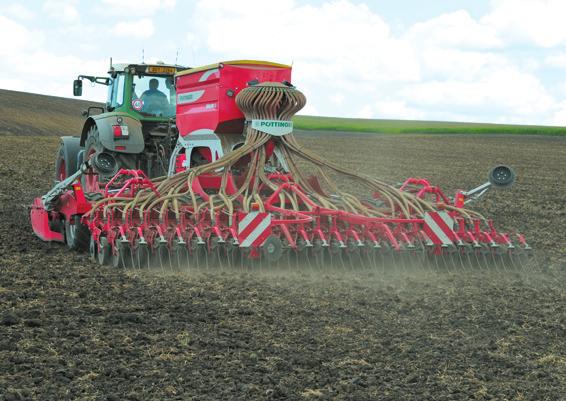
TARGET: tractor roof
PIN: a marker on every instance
(155, 68)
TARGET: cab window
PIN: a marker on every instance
(154, 95)
(116, 92)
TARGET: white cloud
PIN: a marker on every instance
(140, 8)
(557, 60)
(336, 35)
(348, 62)
(19, 37)
(538, 22)
(17, 10)
(455, 30)
(140, 29)
(19, 58)
(63, 10)
(506, 94)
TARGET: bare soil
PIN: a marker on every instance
(70, 329)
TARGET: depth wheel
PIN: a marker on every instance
(272, 249)
(77, 235)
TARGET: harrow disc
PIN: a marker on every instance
(104, 255)
(121, 257)
(142, 256)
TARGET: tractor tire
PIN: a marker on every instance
(77, 235)
(66, 163)
(60, 165)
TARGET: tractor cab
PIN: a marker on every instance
(136, 127)
(144, 91)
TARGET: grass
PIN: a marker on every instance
(418, 127)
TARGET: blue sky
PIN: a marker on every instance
(486, 61)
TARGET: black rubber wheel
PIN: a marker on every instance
(60, 165)
(90, 181)
(77, 235)
(104, 254)
(501, 176)
(272, 249)
(66, 158)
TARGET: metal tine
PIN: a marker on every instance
(366, 258)
(229, 256)
(447, 260)
(511, 255)
(187, 257)
(483, 258)
(206, 253)
(460, 253)
(318, 254)
(307, 256)
(495, 260)
(341, 258)
(160, 257)
(131, 256)
(504, 260)
(289, 256)
(468, 252)
(219, 256)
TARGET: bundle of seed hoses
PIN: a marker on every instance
(269, 101)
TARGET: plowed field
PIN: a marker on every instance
(74, 330)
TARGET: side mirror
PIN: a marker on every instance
(501, 176)
(77, 87)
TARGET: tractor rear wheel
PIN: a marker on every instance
(77, 235)
(90, 180)
(60, 165)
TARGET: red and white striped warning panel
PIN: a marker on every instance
(439, 228)
(253, 228)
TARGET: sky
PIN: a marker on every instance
(501, 61)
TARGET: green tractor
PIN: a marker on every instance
(134, 130)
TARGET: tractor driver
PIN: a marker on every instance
(154, 100)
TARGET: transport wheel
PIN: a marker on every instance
(103, 255)
(77, 235)
(272, 249)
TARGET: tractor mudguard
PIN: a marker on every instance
(70, 146)
(132, 143)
